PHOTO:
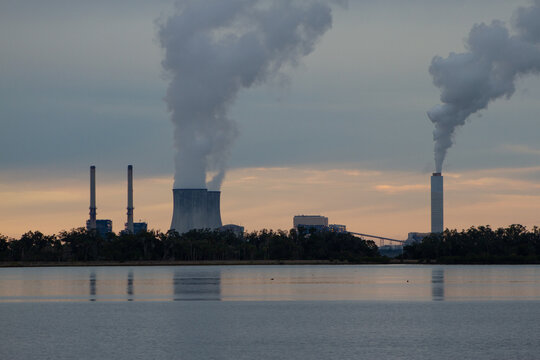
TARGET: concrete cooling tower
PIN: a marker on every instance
(214, 212)
(437, 204)
(195, 209)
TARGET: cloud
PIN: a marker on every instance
(520, 149)
(392, 189)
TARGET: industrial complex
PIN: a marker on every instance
(201, 209)
(104, 226)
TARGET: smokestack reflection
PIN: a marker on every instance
(437, 284)
(92, 286)
(129, 288)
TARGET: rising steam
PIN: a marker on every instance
(487, 71)
(214, 48)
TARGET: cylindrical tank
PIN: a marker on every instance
(190, 210)
(214, 212)
(437, 203)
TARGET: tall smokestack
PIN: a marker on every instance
(214, 212)
(93, 212)
(437, 203)
(129, 224)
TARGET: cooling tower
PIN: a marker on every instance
(214, 212)
(190, 210)
(437, 204)
(129, 224)
(93, 212)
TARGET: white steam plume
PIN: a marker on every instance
(213, 49)
(487, 71)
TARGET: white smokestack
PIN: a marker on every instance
(215, 48)
(437, 203)
(93, 209)
(487, 71)
(129, 224)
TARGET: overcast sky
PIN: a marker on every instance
(81, 83)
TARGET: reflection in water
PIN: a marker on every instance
(437, 284)
(92, 286)
(129, 288)
(272, 283)
(197, 285)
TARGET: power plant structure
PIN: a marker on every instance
(91, 225)
(195, 209)
(104, 226)
(308, 223)
(437, 203)
(129, 224)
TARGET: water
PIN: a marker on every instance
(271, 312)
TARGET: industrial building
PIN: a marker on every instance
(317, 223)
(308, 222)
(337, 228)
(140, 227)
(414, 237)
(235, 229)
(102, 227)
(130, 226)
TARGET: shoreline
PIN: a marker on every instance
(12, 264)
(22, 264)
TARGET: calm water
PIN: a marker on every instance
(271, 312)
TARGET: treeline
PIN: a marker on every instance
(196, 245)
(479, 245)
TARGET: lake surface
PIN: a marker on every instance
(271, 312)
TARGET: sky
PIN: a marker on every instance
(344, 134)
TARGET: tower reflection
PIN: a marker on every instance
(92, 286)
(193, 284)
(437, 284)
(129, 287)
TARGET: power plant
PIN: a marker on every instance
(201, 209)
(91, 225)
(103, 227)
(132, 227)
(437, 203)
(195, 209)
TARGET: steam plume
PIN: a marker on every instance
(213, 49)
(487, 71)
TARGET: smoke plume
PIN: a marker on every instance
(487, 71)
(215, 48)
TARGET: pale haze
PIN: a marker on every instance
(342, 132)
